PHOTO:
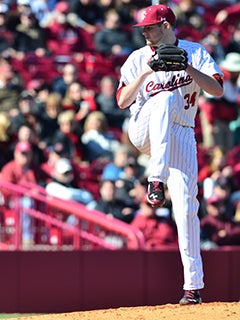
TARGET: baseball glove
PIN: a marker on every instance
(168, 57)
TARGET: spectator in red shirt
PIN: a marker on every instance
(228, 16)
(22, 169)
(218, 227)
(60, 31)
(159, 231)
(19, 171)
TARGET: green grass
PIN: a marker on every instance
(14, 315)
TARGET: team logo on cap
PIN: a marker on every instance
(144, 14)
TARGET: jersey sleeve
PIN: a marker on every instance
(203, 61)
(128, 71)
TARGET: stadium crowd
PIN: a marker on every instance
(60, 126)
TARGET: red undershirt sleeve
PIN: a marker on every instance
(119, 90)
(218, 78)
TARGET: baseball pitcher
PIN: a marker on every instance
(161, 83)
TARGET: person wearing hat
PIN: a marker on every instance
(220, 112)
(159, 231)
(62, 185)
(163, 106)
(218, 228)
(19, 171)
(22, 168)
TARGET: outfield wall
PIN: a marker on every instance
(84, 280)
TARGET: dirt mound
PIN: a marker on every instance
(210, 311)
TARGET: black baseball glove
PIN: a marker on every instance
(168, 57)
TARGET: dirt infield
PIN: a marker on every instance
(209, 311)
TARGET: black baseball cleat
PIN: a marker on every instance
(191, 297)
(156, 195)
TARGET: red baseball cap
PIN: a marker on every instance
(23, 147)
(155, 14)
(62, 6)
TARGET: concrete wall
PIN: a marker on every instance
(84, 280)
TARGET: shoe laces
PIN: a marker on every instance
(157, 187)
(190, 294)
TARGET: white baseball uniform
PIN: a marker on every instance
(162, 126)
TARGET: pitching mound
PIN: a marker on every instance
(210, 311)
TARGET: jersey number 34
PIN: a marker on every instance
(190, 100)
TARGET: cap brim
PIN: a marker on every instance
(144, 24)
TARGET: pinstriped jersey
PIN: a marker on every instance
(179, 81)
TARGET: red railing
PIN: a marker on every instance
(50, 223)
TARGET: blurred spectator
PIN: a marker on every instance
(69, 134)
(105, 5)
(213, 43)
(139, 190)
(69, 75)
(10, 87)
(125, 9)
(228, 16)
(40, 93)
(158, 231)
(80, 100)
(35, 84)
(27, 113)
(96, 139)
(106, 102)
(7, 139)
(222, 187)
(41, 9)
(137, 36)
(215, 161)
(54, 153)
(112, 39)
(234, 41)
(27, 134)
(59, 30)
(6, 34)
(56, 8)
(23, 5)
(218, 227)
(86, 14)
(63, 185)
(235, 129)
(218, 113)
(108, 204)
(233, 162)
(16, 10)
(190, 13)
(217, 165)
(29, 36)
(115, 169)
(125, 186)
(20, 170)
(49, 118)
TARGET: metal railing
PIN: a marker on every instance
(50, 224)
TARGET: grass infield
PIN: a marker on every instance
(15, 315)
